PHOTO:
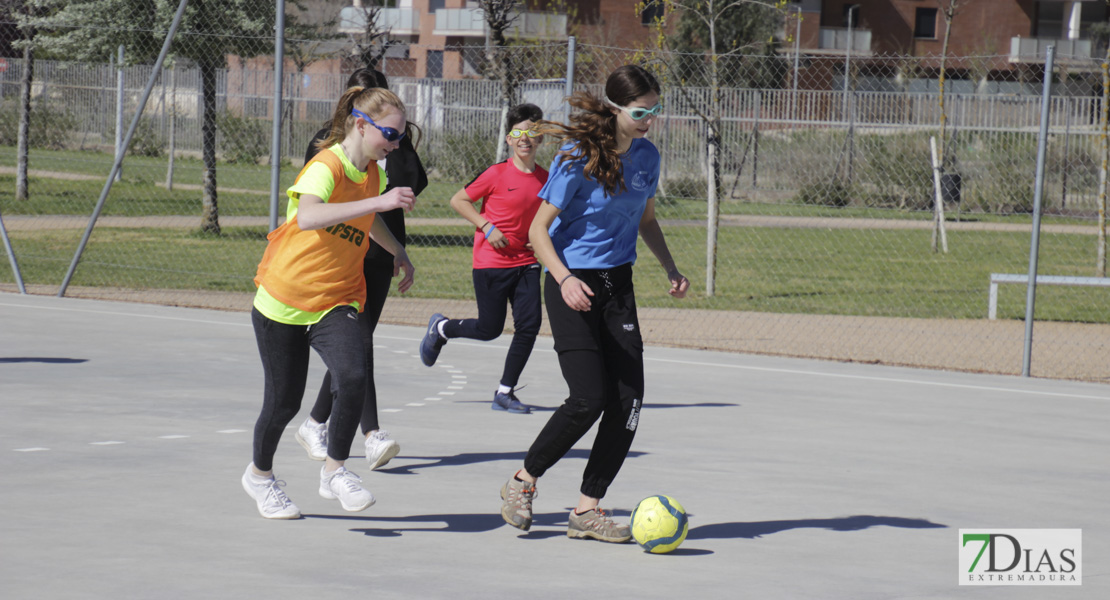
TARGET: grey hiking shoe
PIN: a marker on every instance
(517, 506)
(596, 524)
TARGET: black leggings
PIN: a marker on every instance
(601, 356)
(285, 353)
(520, 287)
(378, 280)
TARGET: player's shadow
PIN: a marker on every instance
(396, 526)
(42, 359)
(762, 528)
(470, 458)
(647, 406)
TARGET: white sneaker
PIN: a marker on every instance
(314, 438)
(346, 487)
(380, 449)
(271, 499)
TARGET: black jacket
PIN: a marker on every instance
(402, 169)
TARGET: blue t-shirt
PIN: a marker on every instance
(596, 230)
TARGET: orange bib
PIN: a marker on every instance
(320, 269)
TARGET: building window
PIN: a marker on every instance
(653, 10)
(925, 23)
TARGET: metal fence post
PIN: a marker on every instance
(275, 140)
(119, 110)
(1038, 192)
(119, 155)
(570, 74)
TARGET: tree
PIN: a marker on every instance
(948, 10)
(24, 13)
(719, 30)
(500, 16)
(370, 43)
(91, 30)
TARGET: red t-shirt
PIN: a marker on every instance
(510, 201)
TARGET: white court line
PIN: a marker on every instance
(415, 404)
(646, 359)
(432, 399)
(106, 443)
(233, 431)
(36, 449)
(455, 387)
(392, 410)
(447, 393)
(882, 379)
(172, 437)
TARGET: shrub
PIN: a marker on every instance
(684, 187)
(835, 193)
(243, 140)
(147, 141)
(49, 127)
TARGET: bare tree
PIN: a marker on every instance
(500, 16)
(371, 42)
(948, 10)
(704, 21)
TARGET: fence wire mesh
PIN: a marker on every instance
(826, 237)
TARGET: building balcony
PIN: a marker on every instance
(1032, 49)
(834, 40)
(470, 22)
(399, 21)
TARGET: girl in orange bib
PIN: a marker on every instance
(311, 289)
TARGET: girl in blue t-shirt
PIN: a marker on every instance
(600, 193)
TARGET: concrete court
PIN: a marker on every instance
(126, 428)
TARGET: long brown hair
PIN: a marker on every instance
(593, 129)
(371, 101)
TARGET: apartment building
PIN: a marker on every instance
(443, 38)
(1015, 30)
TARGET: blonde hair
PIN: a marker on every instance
(371, 101)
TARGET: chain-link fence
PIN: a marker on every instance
(820, 239)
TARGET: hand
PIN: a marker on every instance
(402, 262)
(679, 284)
(399, 197)
(576, 293)
(497, 239)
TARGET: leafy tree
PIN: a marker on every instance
(91, 30)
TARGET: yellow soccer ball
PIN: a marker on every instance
(659, 524)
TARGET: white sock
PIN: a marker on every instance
(439, 328)
(504, 389)
(259, 480)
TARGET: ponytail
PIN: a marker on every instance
(593, 130)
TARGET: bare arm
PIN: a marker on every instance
(314, 213)
(464, 205)
(380, 233)
(575, 292)
(657, 243)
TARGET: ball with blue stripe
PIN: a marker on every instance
(659, 524)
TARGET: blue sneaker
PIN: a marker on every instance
(510, 403)
(432, 342)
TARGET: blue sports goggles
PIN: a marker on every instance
(390, 134)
